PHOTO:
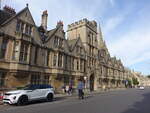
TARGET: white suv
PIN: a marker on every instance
(29, 93)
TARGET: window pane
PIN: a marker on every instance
(3, 48)
(18, 26)
(2, 79)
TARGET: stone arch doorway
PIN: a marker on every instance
(92, 82)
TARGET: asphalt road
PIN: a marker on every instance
(124, 101)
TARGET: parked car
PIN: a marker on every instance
(141, 87)
(29, 93)
(1, 96)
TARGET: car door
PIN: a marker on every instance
(34, 93)
(43, 91)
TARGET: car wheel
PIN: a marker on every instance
(50, 97)
(23, 100)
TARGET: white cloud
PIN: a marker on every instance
(133, 47)
(66, 10)
(112, 23)
(130, 44)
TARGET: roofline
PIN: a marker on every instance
(7, 21)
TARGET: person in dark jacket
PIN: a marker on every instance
(80, 88)
(70, 89)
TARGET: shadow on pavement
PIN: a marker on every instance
(42, 101)
(87, 97)
(142, 106)
(59, 98)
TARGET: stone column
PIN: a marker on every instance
(57, 59)
(9, 50)
(109, 83)
(115, 83)
(29, 52)
(19, 50)
(79, 61)
(62, 61)
(95, 83)
(51, 58)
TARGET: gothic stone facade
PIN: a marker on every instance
(34, 55)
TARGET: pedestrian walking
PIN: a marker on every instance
(63, 89)
(67, 89)
(70, 89)
(80, 88)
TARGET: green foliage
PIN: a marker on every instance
(148, 76)
(21, 87)
(135, 81)
(129, 82)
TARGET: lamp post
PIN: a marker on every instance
(85, 79)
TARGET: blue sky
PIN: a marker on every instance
(125, 24)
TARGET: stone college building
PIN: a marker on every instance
(31, 54)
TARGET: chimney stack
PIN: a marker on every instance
(44, 19)
(9, 10)
(60, 23)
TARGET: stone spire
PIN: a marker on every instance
(101, 42)
(100, 37)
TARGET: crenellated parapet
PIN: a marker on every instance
(83, 22)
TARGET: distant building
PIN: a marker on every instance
(31, 54)
(143, 80)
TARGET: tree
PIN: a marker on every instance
(148, 76)
(129, 83)
(135, 81)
